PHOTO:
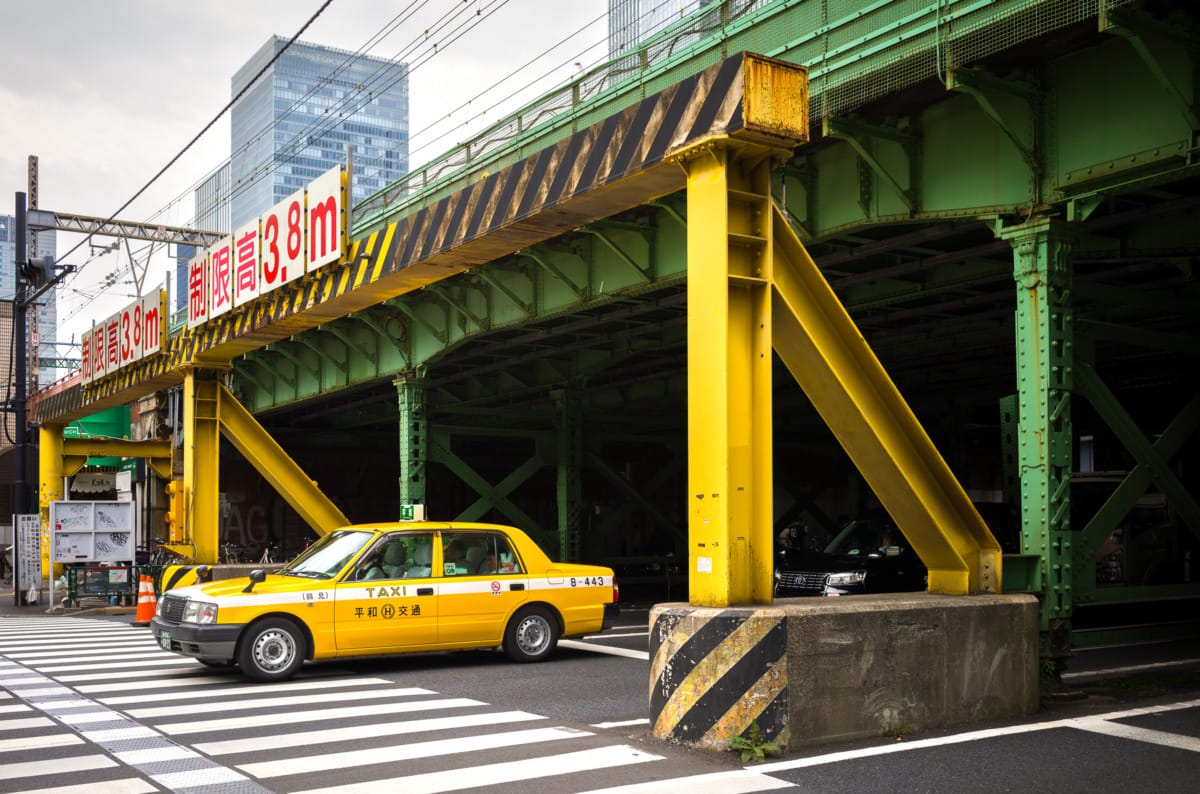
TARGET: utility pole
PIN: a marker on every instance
(33, 278)
(21, 346)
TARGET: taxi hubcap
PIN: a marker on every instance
(533, 634)
(273, 650)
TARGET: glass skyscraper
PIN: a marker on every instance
(631, 22)
(295, 122)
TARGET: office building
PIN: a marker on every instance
(295, 121)
(631, 22)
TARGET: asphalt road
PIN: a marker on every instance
(92, 702)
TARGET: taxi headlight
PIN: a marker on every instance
(200, 612)
(846, 579)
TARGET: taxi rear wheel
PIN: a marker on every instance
(531, 636)
(271, 650)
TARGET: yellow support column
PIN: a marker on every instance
(201, 467)
(50, 480)
(729, 375)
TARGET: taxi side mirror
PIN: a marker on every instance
(256, 576)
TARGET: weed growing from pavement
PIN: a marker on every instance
(752, 746)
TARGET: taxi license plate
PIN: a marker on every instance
(164, 640)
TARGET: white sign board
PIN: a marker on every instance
(126, 337)
(303, 233)
(326, 216)
(283, 242)
(92, 531)
(28, 559)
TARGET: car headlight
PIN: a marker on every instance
(846, 579)
(200, 612)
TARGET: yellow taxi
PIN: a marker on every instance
(390, 588)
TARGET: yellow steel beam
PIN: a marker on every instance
(276, 466)
(50, 481)
(201, 467)
(729, 375)
(76, 451)
(824, 351)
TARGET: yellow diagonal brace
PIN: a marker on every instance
(820, 345)
(276, 466)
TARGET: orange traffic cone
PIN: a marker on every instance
(147, 603)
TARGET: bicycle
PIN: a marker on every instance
(232, 554)
(162, 555)
(271, 553)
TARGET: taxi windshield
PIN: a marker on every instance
(327, 556)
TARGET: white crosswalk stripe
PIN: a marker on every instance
(93, 705)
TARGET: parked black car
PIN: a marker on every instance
(871, 555)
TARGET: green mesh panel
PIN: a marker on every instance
(856, 53)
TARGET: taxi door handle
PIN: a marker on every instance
(424, 591)
(516, 587)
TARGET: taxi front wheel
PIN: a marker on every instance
(271, 650)
(531, 636)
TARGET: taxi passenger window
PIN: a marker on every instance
(473, 554)
(503, 559)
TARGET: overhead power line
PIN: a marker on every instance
(206, 128)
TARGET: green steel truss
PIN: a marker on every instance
(938, 249)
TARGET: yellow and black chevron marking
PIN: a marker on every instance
(714, 672)
(587, 176)
(183, 576)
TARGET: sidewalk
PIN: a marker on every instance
(11, 607)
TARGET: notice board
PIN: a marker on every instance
(91, 531)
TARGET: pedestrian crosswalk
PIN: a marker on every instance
(95, 704)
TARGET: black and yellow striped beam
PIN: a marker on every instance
(173, 576)
(716, 672)
(607, 168)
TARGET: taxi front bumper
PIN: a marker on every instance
(209, 643)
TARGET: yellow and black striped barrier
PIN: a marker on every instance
(715, 672)
(183, 576)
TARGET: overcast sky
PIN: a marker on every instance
(106, 92)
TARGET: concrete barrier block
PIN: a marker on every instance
(904, 663)
(809, 670)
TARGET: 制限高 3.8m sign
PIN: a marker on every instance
(301, 234)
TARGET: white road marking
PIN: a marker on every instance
(258, 720)
(406, 752)
(587, 646)
(359, 732)
(959, 738)
(1122, 731)
(38, 742)
(128, 786)
(238, 691)
(497, 774)
(55, 766)
(244, 703)
(740, 781)
(622, 724)
(1127, 669)
(611, 636)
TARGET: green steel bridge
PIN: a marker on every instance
(1001, 195)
